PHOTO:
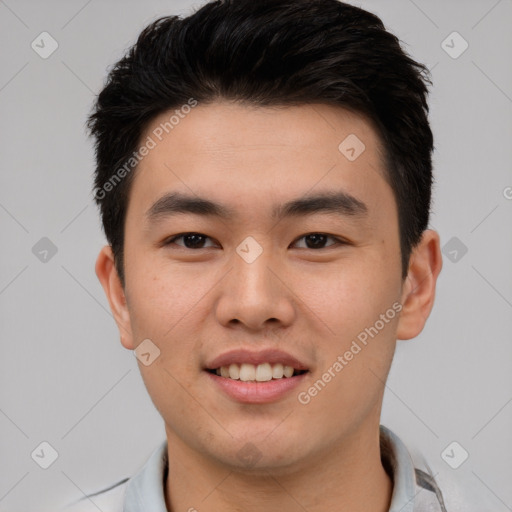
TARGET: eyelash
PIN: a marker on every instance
(338, 241)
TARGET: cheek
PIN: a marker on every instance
(168, 310)
(348, 389)
(349, 296)
(162, 294)
(350, 302)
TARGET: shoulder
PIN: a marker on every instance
(419, 488)
(455, 492)
(109, 499)
(460, 494)
(145, 487)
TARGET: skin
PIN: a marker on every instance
(195, 304)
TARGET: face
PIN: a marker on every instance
(255, 242)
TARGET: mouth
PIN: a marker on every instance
(247, 372)
(256, 377)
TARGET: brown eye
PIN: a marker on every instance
(190, 240)
(318, 240)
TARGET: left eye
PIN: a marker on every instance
(197, 240)
(317, 240)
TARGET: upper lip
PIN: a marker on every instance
(272, 356)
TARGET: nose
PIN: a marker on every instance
(255, 294)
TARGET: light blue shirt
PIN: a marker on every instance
(414, 490)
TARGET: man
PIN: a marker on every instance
(264, 178)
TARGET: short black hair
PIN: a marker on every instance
(268, 53)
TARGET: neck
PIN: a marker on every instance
(349, 477)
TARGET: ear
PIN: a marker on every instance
(109, 279)
(419, 287)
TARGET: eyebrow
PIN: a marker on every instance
(337, 202)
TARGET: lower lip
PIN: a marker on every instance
(257, 392)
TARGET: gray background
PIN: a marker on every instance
(66, 379)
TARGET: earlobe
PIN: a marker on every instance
(419, 287)
(109, 279)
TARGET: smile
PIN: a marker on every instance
(264, 372)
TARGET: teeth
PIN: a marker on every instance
(263, 372)
(277, 371)
(288, 371)
(249, 372)
(234, 371)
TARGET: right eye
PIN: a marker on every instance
(190, 240)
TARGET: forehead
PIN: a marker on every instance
(245, 153)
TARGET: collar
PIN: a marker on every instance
(399, 466)
(145, 490)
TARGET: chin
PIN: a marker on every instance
(247, 454)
